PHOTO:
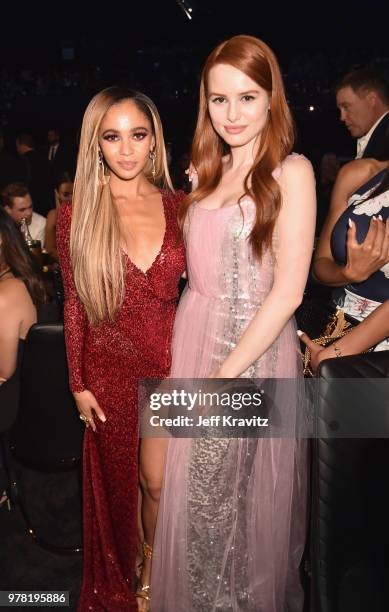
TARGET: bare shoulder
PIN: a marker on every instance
(295, 168)
(52, 215)
(12, 291)
(353, 174)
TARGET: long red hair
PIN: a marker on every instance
(253, 57)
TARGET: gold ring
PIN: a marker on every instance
(83, 418)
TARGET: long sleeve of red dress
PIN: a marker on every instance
(74, 314)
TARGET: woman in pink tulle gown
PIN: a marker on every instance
(232, 517)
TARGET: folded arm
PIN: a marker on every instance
(362, 258)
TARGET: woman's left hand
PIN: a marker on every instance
(315, 349)
(191, 172)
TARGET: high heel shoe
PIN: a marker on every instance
(143, 590)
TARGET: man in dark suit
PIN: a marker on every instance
(35, 173)
(60, 157)
(362, 97)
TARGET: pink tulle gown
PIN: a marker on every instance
(232, 519)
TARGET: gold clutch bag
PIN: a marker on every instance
(339, 324)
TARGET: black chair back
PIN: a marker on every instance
(350, 501)
(48, 432)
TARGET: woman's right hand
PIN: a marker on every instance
(370, 255)
(88, 408)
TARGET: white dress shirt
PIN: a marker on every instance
(362, 142)
(53, 151)
(37, 228)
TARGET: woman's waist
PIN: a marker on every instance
(244, 296)
(134, 326)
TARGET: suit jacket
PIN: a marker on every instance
(376, 140)
(36, 174)
(64, 161)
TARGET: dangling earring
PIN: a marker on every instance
(153, 157)
(103, 178)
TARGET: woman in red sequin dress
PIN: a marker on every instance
(121, 263)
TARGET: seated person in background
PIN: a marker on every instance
(18, 204)
(367, 334)
(353, 249)
(21, 291)
(63, 193)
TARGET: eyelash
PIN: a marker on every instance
(110, 137)
(220, 99)
(114, 137)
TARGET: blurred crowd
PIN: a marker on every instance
(174, 71)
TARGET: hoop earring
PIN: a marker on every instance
(153, 157)
(103, 178)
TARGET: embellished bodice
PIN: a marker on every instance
(227, 268)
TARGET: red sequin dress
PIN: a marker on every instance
(109, 360)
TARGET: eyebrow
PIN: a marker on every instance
(113, 131)
(242, 93)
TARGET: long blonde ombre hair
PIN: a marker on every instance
(95, 236)
(253, 57)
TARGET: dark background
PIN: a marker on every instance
(55, 56)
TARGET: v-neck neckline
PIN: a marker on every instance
(156, 258)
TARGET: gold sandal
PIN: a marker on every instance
(143, 590)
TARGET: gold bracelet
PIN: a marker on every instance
(337, 351)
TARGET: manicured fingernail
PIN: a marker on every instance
(374, 218)
(102, 418)
(380, 217)
(350, 223)
(299, 332)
